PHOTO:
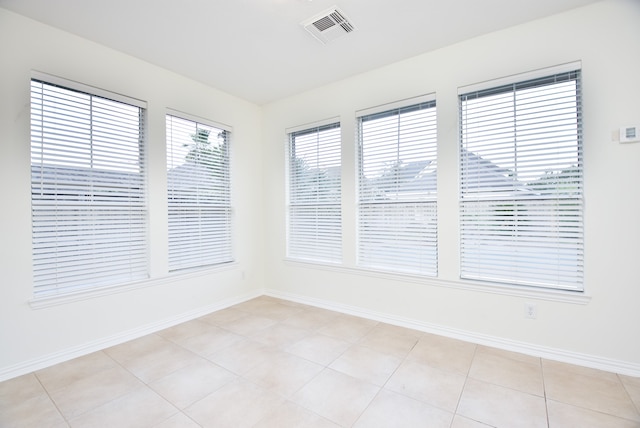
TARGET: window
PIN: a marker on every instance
(199, 193)
(397, 219)
(521, 192)
(89, 212)
(314, 227)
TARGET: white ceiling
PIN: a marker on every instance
(257, 49)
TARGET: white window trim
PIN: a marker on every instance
(229, 129)
(287, 147)
(81, 87)
(581, 295)
(521, 77)
(172, 277)
(383, 108)
(194, 118)
(560, 296)
(53, 80)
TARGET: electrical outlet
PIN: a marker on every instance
(530, 310)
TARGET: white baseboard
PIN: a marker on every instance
(106, 342)
(585, 360)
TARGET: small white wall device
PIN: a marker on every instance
(630, 134)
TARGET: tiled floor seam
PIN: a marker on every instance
(544, 392)
(51, 398)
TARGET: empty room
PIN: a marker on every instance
(320, 213)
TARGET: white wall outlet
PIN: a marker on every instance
(630, 134)
(530, 310)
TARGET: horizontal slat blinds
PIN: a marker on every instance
(315, 216)
(89, 212)
(521, 183)
(199, 194)
(397, 219)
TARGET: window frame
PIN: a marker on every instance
(204, 224)
(105, 133)
(320, 218)
(569, 205)
(413, 245)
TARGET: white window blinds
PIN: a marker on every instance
(315, 219)
(199, 194)
(521, 183)
(89, 211)
(397, 209)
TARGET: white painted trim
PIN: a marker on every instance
(318, 124)
(396, 104)
(88, 89)
(116, 339)
(45, 302)
(193, 118)
(574, 297)
(576, 358)
(521, 77)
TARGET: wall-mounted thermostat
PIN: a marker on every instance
(630, 134)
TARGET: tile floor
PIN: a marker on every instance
(274, 363)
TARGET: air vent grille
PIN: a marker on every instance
(329, 25)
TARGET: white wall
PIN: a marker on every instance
(603, 330)
(31, 337)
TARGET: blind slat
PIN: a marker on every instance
(521, 183)
(397, 224)
(88, 190)
(199, 194)
(315, 213)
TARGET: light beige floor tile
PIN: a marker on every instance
(179, 420)
(31, 411)
(390, 409)
(291, 415)
(184, 330)
(63, 374)
(389, 339)
(632, 385)
(284, 373)
(139, 408)
(590, 389)
(159, 363)
(18, 389)
(509, 354)
(501, 407)
(336, 396)
(443, 353)
(566, 416)
(192, 383)
(237, 404)
(431, 385)
(242, 356)
(462, 422)
(366, 364)
(137, 348)
(222, 316)
(93, 391)
(310, 319)
(211, 341)
(348, 327)
(275, 310)
(248, 324)
(517, 374)
(550, 366)
(280, 335)
(319, 348)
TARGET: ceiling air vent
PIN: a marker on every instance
(328, 25)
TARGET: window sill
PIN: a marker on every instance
(76, 296)
(573, 297)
